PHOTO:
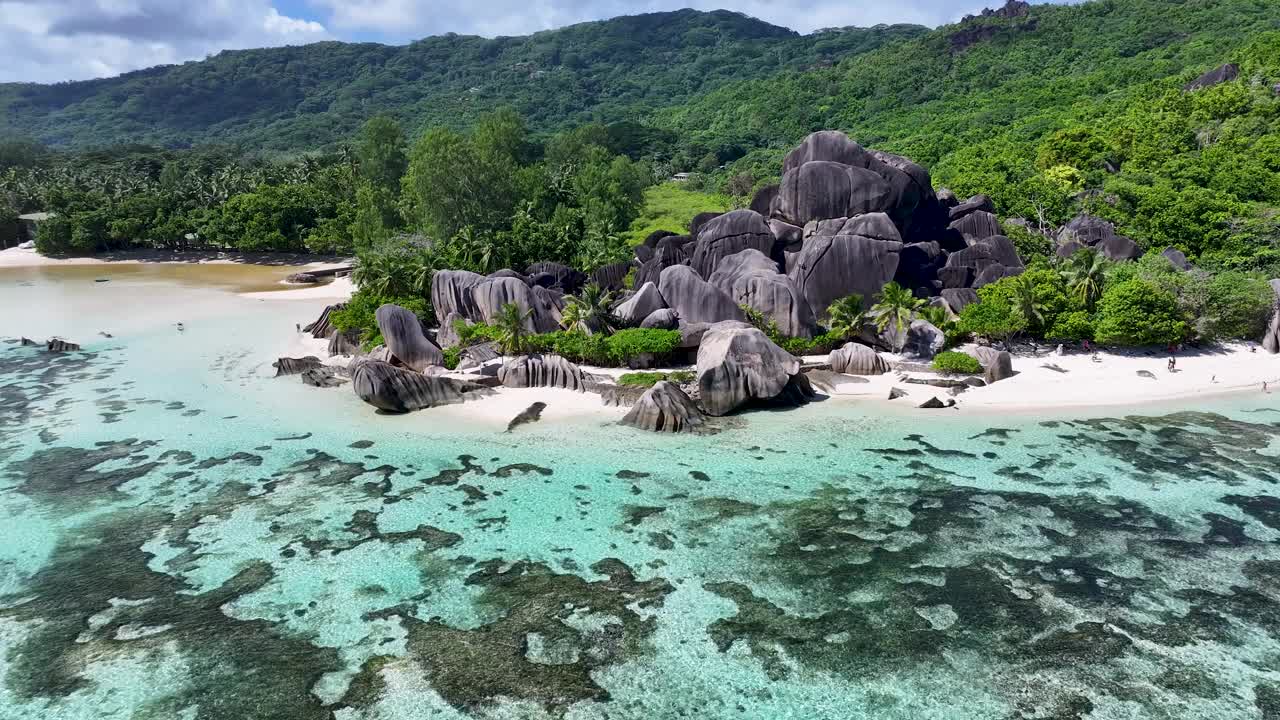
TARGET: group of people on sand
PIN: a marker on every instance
(1173, 362)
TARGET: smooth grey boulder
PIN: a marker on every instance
(968, 207)
(612, 276)
(695, 300)
(509, 273)
(563, 277)
(789, 238)
(645, 302)
(832, 382)
(322, 328)
(977, 225)
(1216, 76)
(344, 343)
(934, 403)
(994, 273)
(451, 293)
(665, 408)
(822, 190)
(1271, 339)
(402, 332)
(831, 268)
(664, 319)
(923, 340)
(691, 334)
(998, 367)
(699, 220)
(295, 366)
(727, 235)
(959, 298)
(489, 296)
(1177, 258)
(321, 377)
(752, 280)
(827, 145)
(876, 225)
(398, 390)
(448, 335)
(528, 371)
(762, 201)
(740, 365)
(1099, 234)
(857, 359)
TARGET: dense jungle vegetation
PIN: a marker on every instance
(1052, 112)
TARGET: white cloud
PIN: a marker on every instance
(52, 40)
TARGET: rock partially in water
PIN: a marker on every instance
(397, 390)
(322, 377)
(57, 345)
(666, 408)
(323, 327)
(934, 403)
(296, 366)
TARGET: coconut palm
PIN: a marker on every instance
(512, 334)
(591, 311)
(1025, 302)
(937, 316)
(1084, 273)
(895, 311)
(847, 316)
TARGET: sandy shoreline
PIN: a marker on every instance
(27, 257)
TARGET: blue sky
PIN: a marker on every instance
(55, 40)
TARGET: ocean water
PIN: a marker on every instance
(184, 536)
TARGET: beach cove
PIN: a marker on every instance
(852, 558)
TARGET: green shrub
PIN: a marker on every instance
(629, 344)
(649, 379)
(956, 363)
(818, 345)
(1071, 326)
(1135, 312)
(452, 356)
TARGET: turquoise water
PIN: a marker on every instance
(185, 536)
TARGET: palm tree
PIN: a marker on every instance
(937, 316)
(895, 311)
(847, 316)
(1084, 273)
(511, 330)
(1025, 302)
(590, 312)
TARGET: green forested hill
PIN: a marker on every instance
(304, 98)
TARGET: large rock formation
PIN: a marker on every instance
(1093, 232)
(998, 367)
(397, 390)
(751, 279)
(527, 371)
(646, 301)
(561, 277)
(323, 327)
(727, 235)
(489, 296)
(1271, 340)
(451, 293)
(666, 408)
(664, 319)
(857, 359)
(959, 298)
(695, 300)
(403, 335)
(830, 268)
(737, 366)
(820, 190)
(344, 342)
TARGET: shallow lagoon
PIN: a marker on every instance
(186, 536)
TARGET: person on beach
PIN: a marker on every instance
(1086, 346)
(1173, 363)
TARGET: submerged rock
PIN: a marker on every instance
(666, 408)
(740, 365)
(296, 366)
(58, 345)
(397, 390)
(403, 334)
(553, 371)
